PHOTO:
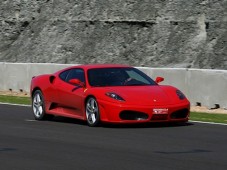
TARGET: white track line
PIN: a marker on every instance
(211, 123)
(24, 105)
(30, 120)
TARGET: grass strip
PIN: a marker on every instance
(209, 117)
(15, 99)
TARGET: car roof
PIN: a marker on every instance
(92, 66)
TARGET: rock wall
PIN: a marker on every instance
(153, 33)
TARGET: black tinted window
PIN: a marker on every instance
(76, 74)
(64, 74)
(118, 77)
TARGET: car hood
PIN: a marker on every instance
(143, 95)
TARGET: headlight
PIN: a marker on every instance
(114, 96)
(180, 95)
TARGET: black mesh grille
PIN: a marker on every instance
(180, 114)
(133, 115)
(159, 117)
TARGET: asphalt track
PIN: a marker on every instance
(70, 144)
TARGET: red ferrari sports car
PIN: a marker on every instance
(107, 93)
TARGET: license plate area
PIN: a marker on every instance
(160, 111)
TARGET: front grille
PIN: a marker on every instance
(159, 117)
(133, 115)
(179, 114)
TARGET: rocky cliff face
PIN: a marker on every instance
(154, 33)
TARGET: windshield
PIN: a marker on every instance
(100, 77)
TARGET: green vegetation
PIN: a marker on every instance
(208, 117)
(15, 99)
(197, 116)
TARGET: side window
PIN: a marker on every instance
(76, 74)
(64, 74)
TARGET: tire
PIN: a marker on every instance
(38, 106)
(92, 112)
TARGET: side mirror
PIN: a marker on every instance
(76, 82)
(159, 79)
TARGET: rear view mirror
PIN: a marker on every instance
(159, 79)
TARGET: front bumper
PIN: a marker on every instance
(122, 113)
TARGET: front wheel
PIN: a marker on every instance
(92, 112)
(38, 106)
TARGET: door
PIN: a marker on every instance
(71, 96)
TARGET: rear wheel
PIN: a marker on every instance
(38, 106)
(92, 112)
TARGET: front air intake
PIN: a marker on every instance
(179, 114)
(133, 115)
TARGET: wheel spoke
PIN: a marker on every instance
(95, 110)
(92, 104)
(89, 117)
(89, 109)
(37, 112)
(38, 98)
(93, 118)
(40, 110)
(35, 108)
(34, 100)
(35, 104)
